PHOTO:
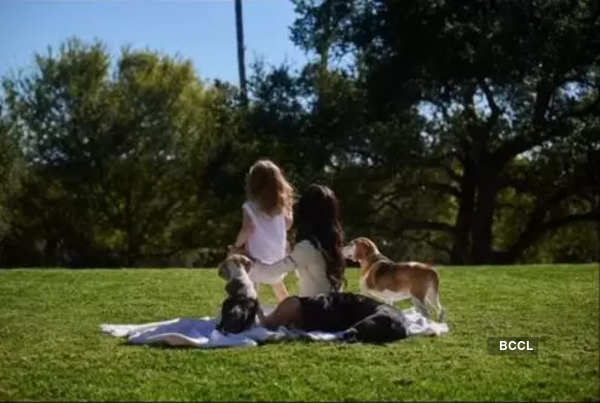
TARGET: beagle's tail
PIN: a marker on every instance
(433, 298)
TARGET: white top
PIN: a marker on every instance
(305, 258)
(267, 241)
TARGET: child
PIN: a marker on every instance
(267, 215)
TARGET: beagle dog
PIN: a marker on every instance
(389, 281)
(241, 307)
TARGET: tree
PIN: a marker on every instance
(120, 157)
(497, 83)
(12, 172)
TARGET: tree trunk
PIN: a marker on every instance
(239, 25)
(464, 219)
(481, 235)
(475, 218)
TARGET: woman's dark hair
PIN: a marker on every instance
(317, 219)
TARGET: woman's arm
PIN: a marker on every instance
(271, 273)
(245, 231)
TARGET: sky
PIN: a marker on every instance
(201, 30)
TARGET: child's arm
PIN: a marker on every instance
(245, 231)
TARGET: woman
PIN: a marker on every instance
(318, 255)
(318, 259)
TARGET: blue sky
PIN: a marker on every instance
(201, 30)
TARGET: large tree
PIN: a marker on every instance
(503, 96)
(118, 157)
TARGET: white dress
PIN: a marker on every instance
(268, 240)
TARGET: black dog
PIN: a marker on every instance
(387, 324)
(238, 311)
(240, 308)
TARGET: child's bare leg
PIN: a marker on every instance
(280, 291)
(288, 313)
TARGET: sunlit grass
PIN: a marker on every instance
(51, 347)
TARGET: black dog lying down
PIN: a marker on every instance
(385, 325)
(240, 308)
(360, 318)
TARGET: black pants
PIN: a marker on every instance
(362, 318)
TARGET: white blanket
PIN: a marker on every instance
(201, 332)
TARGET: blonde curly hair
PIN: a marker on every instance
(267, 187)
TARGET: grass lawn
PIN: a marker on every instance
(52, 349)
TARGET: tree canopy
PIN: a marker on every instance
(452, 132)
(507, 94)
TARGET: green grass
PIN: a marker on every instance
(51, 347)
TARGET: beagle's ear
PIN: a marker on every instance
(362, 248)
(358, 247)
(247, 263)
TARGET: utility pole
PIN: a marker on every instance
(239, 24)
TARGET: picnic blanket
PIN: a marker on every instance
(201, 332)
